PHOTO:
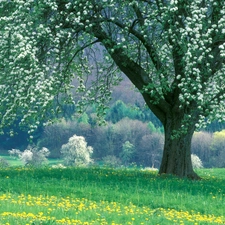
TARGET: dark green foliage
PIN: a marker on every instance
(20, 137)
(83, 118)
(120, 110)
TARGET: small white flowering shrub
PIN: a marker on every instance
(58, 166)
(149, 169)
(32, 156)
(76, 152)
(196, 162)
(14, 153)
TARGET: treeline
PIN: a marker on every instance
(210, 147)
(124, 142)
(132, 134)
(131, 141)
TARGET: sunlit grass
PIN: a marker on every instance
(14, 161)
(106, 196)
(11, 160)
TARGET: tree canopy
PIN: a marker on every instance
(172, 51)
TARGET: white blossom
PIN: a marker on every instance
(76, 152)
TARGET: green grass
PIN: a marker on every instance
(11, 160)
(14, 161)
(106, 196)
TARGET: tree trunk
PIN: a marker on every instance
(177, 149)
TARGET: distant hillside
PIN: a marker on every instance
(127, 93)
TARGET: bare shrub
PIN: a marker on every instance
(150, 150)
(201, 146)
(111, 161)
(217, 149)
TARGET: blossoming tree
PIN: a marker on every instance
(172, 51)
(32, 156)
(76, 152)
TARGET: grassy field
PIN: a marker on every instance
(106, 196)
(14, 161)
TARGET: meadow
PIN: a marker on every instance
(101, 196)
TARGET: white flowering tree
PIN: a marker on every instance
(196, 162)
(32, 156)
(172, 51)
(76, 152)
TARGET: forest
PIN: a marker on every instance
(131, 135)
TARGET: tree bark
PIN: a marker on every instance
(176, 158)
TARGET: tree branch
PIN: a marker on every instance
(152, 53)
(135, 73)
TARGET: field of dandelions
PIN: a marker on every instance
(101, 196)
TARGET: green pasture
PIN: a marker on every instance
(13, 161)
(109, 196)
